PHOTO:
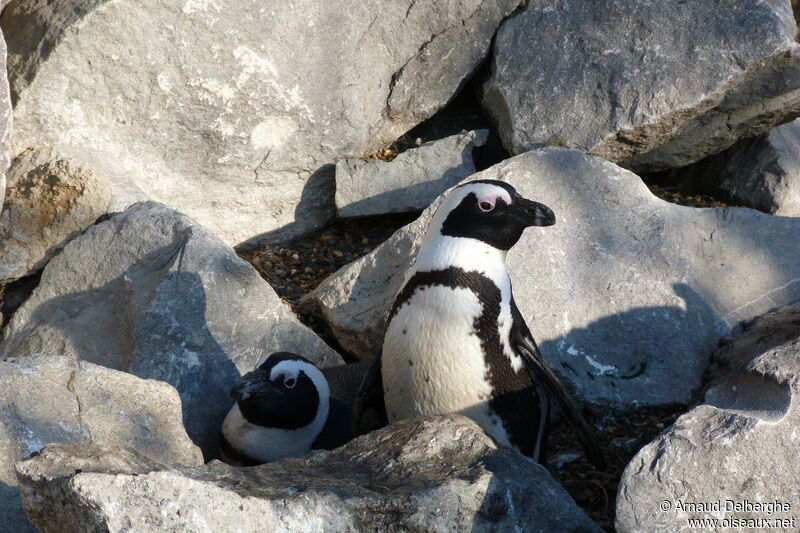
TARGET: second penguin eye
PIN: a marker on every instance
(290, 383)
(485, 206)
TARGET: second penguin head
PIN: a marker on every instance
(281, 407)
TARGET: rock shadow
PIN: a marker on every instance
(427, 189)
(316, 208)
(629, 358)
(14, 518)
(509, 497)
(149, 321)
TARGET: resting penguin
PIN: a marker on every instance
(455, 340)
(286, 407)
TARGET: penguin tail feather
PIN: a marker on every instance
(539, 371)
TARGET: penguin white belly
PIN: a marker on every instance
(433, 362)
(266, 444)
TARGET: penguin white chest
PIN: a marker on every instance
(433, 361)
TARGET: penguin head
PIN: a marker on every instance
(490, 211)
(285, 391)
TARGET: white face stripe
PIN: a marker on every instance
(454, 197)
(292, 368)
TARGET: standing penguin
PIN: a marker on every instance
(286, 407)
(455, 340)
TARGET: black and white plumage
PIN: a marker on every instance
(286, 407)
(455, 340)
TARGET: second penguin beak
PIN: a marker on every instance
(251, 384)
(532, 213)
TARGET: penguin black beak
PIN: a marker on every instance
(530, 213)
(252, 384)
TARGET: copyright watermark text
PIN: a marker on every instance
(746, 514)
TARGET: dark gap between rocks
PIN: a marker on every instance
(462, 113)
(14, 294)
(664, 185)
(295, 268)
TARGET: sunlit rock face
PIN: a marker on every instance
(235, 113)
(423, 474)
(738, 448)
(648, 84)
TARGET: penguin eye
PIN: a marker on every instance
(290, 383)
(486, 206)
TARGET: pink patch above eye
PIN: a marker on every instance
(492, 199)
(282, 374)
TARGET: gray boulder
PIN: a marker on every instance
(151, 292)
(49, 201)
(647, 84)
(767, 331)
(410, 182)
(46, 399)
(429, 474)
(5, 119)
(762, 172)
(735, 456)
(627, 295)
(234, 114)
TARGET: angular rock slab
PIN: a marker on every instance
(762, 172)
(49, 201)
(151, 292)
(650, 85)
(234, 114)
(6, 119)
(627, 295)
(410, 182)
(767, 331)
(740, 446)
(429, 474)
(48, 398)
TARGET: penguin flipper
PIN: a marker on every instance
(369, 409)
(539, 371)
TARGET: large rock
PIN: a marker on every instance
(49, 201)
(429, 474)
(151, 292)
(648, 84)
(767, 331)
(627, 295)
(762, 172)
(410, 182)
(5, 119)
(733, 458)
(46, 399)
(231, 113)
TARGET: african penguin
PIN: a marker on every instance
(455, 341)
(286, 407)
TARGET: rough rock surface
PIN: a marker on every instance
(762, 172)
(5, 119)
(741, 446)
(49, 201)
(410, 182)
(234, 114)
(46, 399)
(151, 292)
(429, 474)
(627, 295)
(647, 84)
(765, 332)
